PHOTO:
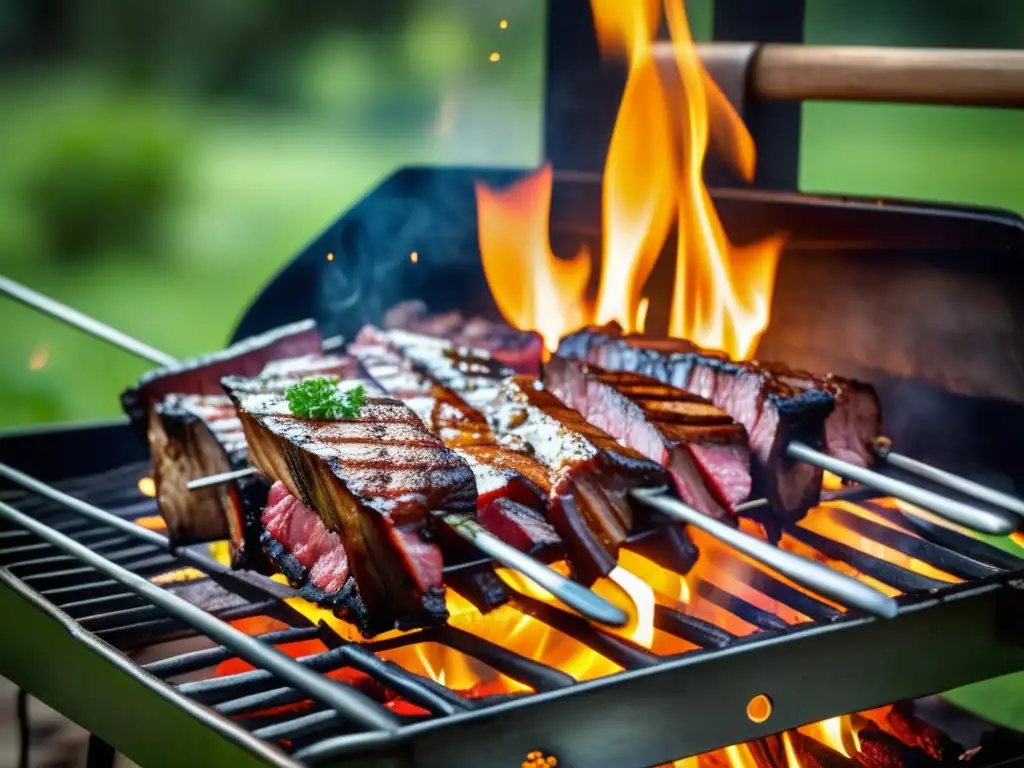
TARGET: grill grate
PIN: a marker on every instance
(306, 725)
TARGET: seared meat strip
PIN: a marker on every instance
(703, 449)
(585, 513)
(522, 351)
(850, 430)
(202, 375)
(512, 488)
(193, 436)
(374, 480)
(311, 556)
(590, 473)
(773, 412)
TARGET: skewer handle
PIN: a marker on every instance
(223, 477)
(981, 520)
(576, 596)
(83, 322)
(814, 576)
(951, 481)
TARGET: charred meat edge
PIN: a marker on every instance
(201, 375)
(666, 424)
(772, 412)
(381, 565)
(591, 476)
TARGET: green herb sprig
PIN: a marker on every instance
(319, 398)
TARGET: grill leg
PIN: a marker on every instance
(23, 730)
(101, 754)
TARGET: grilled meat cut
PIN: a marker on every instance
(850, 430)
(311, 556)
(512, 488)
(703, 449)
(773, 412)
(573, 501)
(202, 375)
(195, 436)
(522, 351)
(590, 473)
(374, 480)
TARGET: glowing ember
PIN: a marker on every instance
(652, 179)
(38, 359)
(152, 522)
(147, 487)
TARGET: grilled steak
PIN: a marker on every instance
(311, 556)
(478, 378)
(522, 351)
(374, 481)
(512, 488)
(590, 473)
(194, 436)
(773, 412)
(703, 449)
(202, 375)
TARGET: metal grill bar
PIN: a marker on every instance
(949, 538)
(196, 660)
(346, 701)
(876, 568)
(737, 606)
(621, 651)
(944, 559)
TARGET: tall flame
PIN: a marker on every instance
(670, 111)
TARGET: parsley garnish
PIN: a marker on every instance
(319, 398)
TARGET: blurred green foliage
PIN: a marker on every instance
(103, 178)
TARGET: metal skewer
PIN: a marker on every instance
(219, 479)
(83, 322)
(584, 601)
(808, 573)
(953, 482)
(976, 518)
(576, 596)
(344, 699)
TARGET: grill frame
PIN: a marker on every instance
(627, 721)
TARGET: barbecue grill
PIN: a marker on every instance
(99, 609)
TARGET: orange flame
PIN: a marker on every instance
(669, 112)
(538, 290)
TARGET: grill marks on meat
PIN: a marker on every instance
(512, 489)
(850, 430)
(374, 481)
(522, 351)
(772, 412)
(703, 449)
(194, 436)
(590, 473)
(202, 375)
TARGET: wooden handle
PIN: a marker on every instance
(993, 78)
(776, 72)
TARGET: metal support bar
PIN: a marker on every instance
(347, 701)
